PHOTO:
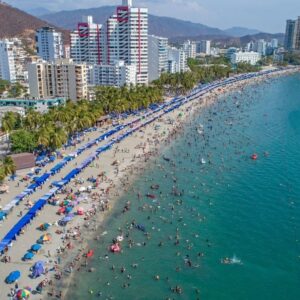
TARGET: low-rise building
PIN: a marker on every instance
(61, 78)
(246, 57)
(20, 105)
(117, 75)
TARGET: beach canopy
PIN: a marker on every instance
(36, 247)
(2, 215)
(44, 226)
(28, 256)
(38, 269)
(23, 294)
(12, 277)
(45, 238)
(67, 218)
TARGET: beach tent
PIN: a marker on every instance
(2, 215)
(38, 269)
(36, 247)
(13, 277)
(80, 211)
(28, 256)
(23, 294)
(44, 226)
(45, 238)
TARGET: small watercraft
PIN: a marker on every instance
(90, 254)
(151, 196)
(203, 162)
(115, 248)
(140, 227)
(155, 187)
(254, 156)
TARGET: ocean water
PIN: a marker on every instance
(229, 206)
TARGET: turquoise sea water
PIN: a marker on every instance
(229, 206)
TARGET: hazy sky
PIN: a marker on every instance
(265, 15)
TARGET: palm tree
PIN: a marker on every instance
(43, 137)
(58, 137)
(9, 166)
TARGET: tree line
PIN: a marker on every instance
(51, 130)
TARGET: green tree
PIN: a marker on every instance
(9, 166)
(23, 141)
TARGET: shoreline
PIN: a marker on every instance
(208, 99)
(134, 154)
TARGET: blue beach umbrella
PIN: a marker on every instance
(38, 269)
(12, 277)
(28, 256)
(36, 247)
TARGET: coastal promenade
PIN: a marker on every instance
(96, 150)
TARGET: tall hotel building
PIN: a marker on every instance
(87, 42)
(292, 35)
(127, 38)
(49, 44)
(158, 56)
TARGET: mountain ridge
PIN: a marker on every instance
(17, 23)
(163, 26)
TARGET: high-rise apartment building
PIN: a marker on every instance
(190, 47)
(62, 78)
(87, 42)
(49, 44)
(177, 61)
(127, 38)
(158, 56)
(261, 47)
(117, 75)
(13, 60)
(292, 35)
(203, 47)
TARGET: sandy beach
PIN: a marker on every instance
(114, 170)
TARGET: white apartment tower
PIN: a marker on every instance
(177, 61)
(87, 42)
(189, 48)
(13, 60)
(62, 78)
(49, 44)
(158, 56)
(127, 38)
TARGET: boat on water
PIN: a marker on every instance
(203, 161)
(151, 196)
(115, 248)
(254, 156)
